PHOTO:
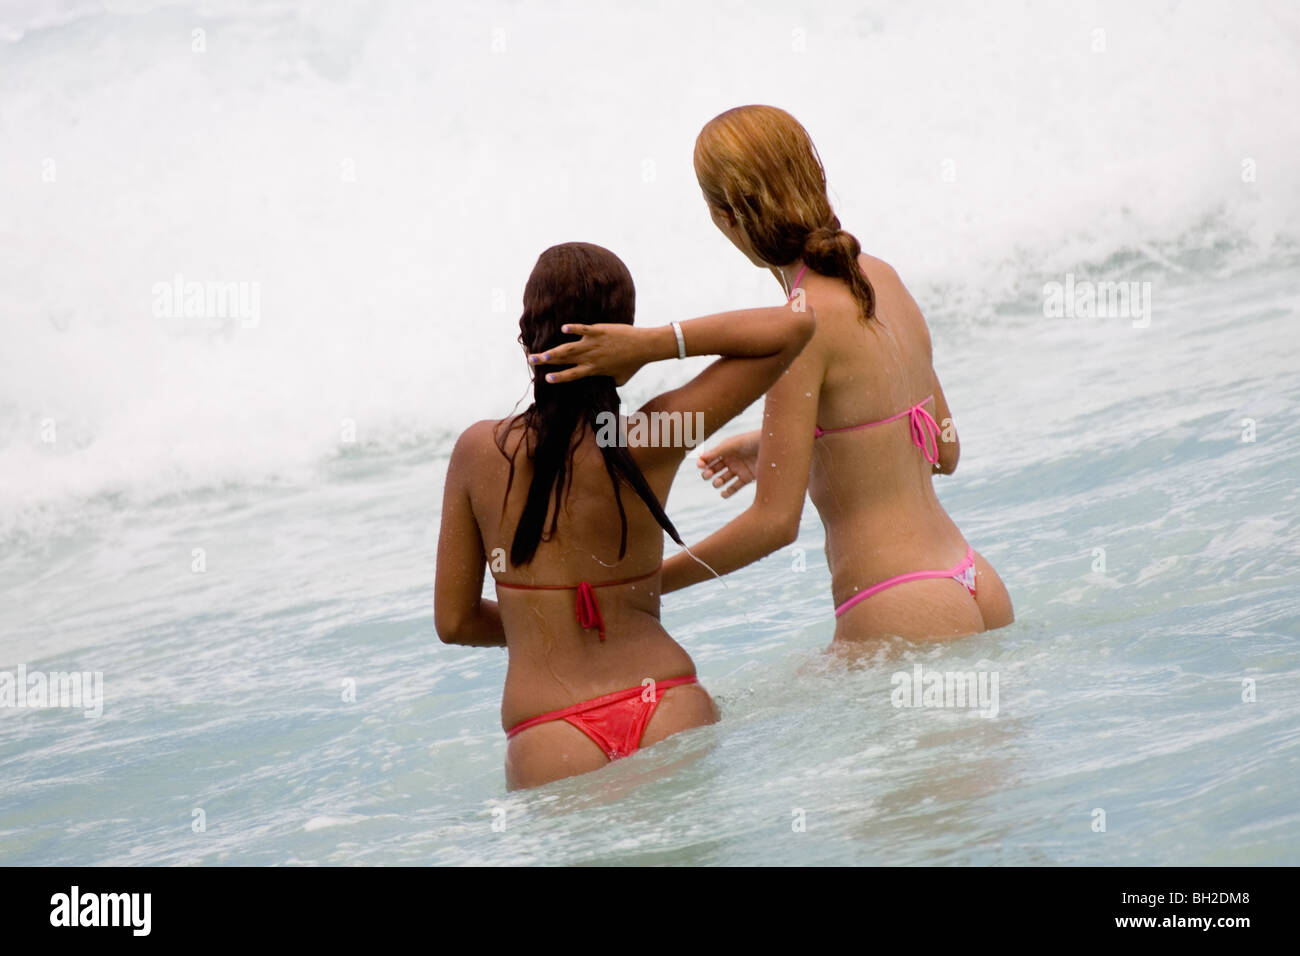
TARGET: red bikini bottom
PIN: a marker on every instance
(615, 722)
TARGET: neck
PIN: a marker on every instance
(786, 275)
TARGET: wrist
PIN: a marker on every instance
(663, 343)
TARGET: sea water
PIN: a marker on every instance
(231, 517)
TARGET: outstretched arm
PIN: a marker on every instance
(784, 460)
(756, 345)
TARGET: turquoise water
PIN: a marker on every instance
(1119, 690)
(236, 526)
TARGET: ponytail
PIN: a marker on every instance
(831, 251)
(759, 166)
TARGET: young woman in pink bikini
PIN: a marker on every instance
(859, 420)
(559, 513)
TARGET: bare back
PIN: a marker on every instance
(872, 487)
(554, 661)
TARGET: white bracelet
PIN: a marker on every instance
(681, 340)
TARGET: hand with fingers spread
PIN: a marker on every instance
(611, 349)
(731, 463)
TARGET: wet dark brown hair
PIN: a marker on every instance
(575, 282)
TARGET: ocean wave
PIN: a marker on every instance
(383, 180)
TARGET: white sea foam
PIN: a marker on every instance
(388, 178)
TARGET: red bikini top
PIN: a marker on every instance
(587, 610)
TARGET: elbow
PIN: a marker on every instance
(948, 448)
(769, 531)
(449, 626)
(949, 454)
(785, 531)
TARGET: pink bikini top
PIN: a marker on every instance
(925, 430)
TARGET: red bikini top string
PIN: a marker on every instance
(586, 607)
(588, 610)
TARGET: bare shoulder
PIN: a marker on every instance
(885, 279)
(878, 270)
(479, 438)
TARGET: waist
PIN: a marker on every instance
(877, 547)
(856, 502)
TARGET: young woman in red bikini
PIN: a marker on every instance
(859, 421)
(572, 525)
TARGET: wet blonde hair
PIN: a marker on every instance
(759, 165)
